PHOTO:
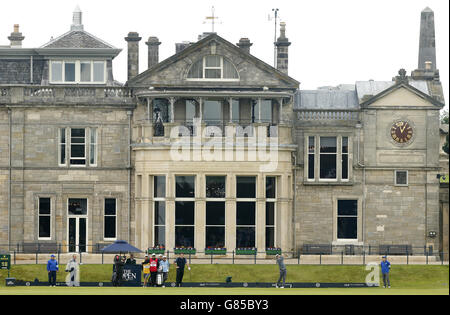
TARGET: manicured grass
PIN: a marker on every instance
(405, 279)
(214, 291)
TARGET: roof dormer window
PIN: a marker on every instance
(213, 68)
(77, 72)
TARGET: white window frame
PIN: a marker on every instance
(77, 217)
(395, 178)
(274, 201)
(85, 158)
(341, 158)
(186, 199)
(60, 144)
(339, 142)
(335, 154)
(46, 215)
(77, 71)
(210, 199)
(253, 200)
(164, 200)
(93, 151)
(109, 215)
(221, 79)
(348, 240)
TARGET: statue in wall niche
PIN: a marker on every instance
(159, 126)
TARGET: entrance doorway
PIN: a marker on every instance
(77, 222)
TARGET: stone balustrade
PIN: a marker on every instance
(52, 95)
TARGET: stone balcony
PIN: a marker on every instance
(65, 95)
(145, 133)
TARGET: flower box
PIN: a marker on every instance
(215, 251)
(246, 251)
(273, 251)
(185, 251)
(156, 251)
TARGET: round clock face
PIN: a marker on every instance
(401, 132)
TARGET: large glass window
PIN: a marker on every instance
(44, 218)
(212, 112)
(93, 147)
(245, 224)
(347, 219)
(271, 195)
(110, 229)
(328, 158)
(85, 71)
(69, 72)
(213, 67)
(159, 193)
(215, 186)
(185, 186)
(57, 71)
(266, 111)
(215, 224)
(245, 187)
(184, 223)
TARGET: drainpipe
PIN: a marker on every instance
(294, 203)
(9, 177)
(359, 126)
(129, 113)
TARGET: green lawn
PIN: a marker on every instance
(405, 279)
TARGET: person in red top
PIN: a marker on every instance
(154, 264)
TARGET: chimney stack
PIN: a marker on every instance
(16, 37)
(245, 44)
(427, 45)
(179, 47)
(133, 40)
(282, 45)
(153, 51)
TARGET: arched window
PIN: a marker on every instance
(213, 67)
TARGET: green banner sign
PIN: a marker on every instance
(5, 262)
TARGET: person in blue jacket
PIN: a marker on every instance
(385, 269)
(52, 268)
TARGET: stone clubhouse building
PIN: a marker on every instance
(214, 148)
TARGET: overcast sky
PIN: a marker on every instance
(333, 41)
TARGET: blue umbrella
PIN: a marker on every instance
(120, 247)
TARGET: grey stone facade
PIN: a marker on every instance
(132, 146)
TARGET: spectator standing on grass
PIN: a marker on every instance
(282, 267)
(146, 269)
(52, 269)
(181, 262)
(72, 278)
(385, 269)
(154, 264)
(164, 264)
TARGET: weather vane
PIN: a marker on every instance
(212, 18)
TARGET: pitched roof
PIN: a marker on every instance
(203, 42)
(420, 88)
(326, 99)
(78, 39)
(366, 89)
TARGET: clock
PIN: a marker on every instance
(402, 131)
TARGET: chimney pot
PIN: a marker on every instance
(153, 51)
(245, 44)
(16, 37)
(282, 45)
(133, 54)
